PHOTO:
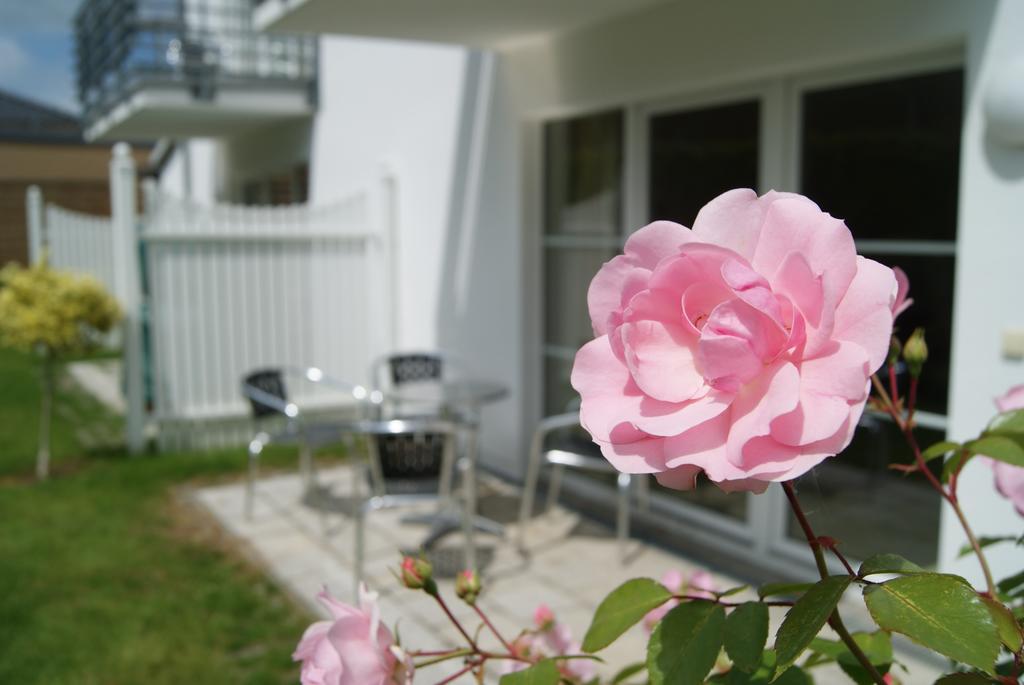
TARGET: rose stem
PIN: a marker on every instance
(445, 657)
(843, 561)
(455, 621)
(819, 559)
(908, 434)
(461, 672)
(691, 598)
(494, 630)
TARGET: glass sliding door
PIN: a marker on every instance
(885, 156)
(693, 154)
(583, 228)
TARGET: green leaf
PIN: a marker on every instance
(628, 672)
(732, 591)
(746, 631)
(626, 605)
(685, 644)
(763, 675)
(830, 648)
(877, 647)
(888, 563)
(938, 611)
(955, 464)
(544, 672)
(964, 679)
(1009, 423)
(1012, 586)
(786, 589)
(984, 541)
(806, 618)
(1006, 625)
(998, 447)
(939, 449)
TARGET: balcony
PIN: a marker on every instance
(187, 68)
(480, 23)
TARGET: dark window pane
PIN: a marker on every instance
(709, 496)
(931, 286)
(869, 508)
(567, 276)
(699, 154)
(583, 175)
(885, 156)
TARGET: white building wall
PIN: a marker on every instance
(686, 47)
(194, 170)
(393, 107)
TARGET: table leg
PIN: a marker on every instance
(469, 515)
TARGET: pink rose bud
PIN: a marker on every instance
(467, 586)
(352, 648)
(915, 352)
(417, 573)
(902, 302)
(543, 617)
(740, 349)
(1013, 399)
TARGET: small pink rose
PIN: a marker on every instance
(741, 349)
(353, 648)
(1009, 478)
(701, 584)
(549, 639)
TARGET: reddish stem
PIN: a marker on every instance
(494, 630)
(906, 427)
(455, 621)
(458, 674)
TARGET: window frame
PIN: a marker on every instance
(763, 536)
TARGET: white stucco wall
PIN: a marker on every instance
(686, 47)
(990, 283)
(394, 105)
(194, 170)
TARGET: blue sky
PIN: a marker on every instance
(37, 50)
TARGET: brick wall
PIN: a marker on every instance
(72, 176)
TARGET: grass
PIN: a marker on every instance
(106, 578)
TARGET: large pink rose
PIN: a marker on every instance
(353, 648)
(741, 348)
(1010, 478)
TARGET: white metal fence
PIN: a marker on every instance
(232, 289)
(212, 292)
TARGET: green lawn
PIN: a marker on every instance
(105, 578)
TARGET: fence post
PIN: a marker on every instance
(37, 238)
(126, 270)
(387, 257)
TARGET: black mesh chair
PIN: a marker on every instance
(391, 371)
(279, 420)
(559, 443)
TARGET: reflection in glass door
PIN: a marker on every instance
(693, 155)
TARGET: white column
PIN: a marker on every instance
(37, 239)
(126, 273)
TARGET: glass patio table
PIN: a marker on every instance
(464, 398)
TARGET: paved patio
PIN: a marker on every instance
(570, 565)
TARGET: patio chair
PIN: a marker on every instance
(409, 462)
(571, 450)
(267, 394)
(392, 371)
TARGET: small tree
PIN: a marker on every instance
(52, 314)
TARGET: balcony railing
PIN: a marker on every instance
(204, 47)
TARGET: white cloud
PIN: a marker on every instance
(12, 58)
